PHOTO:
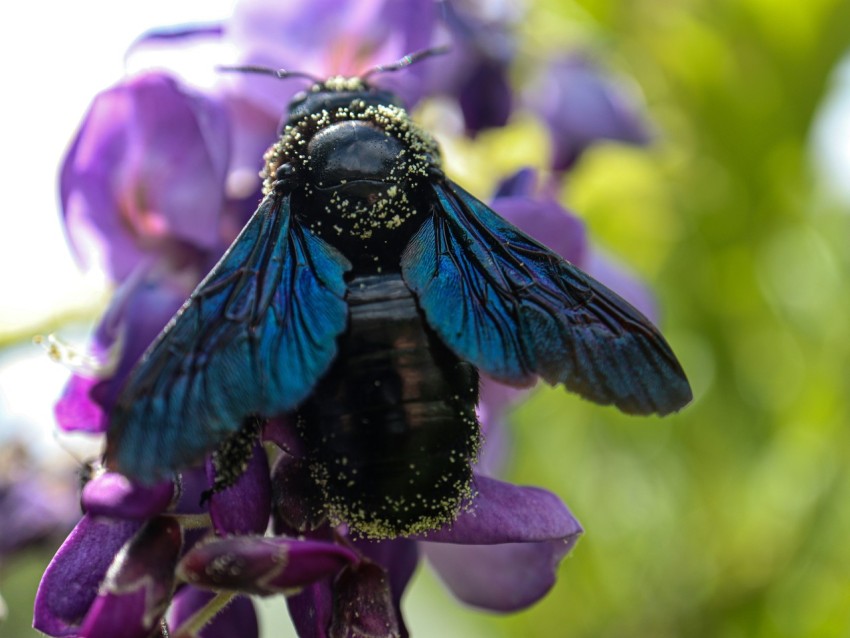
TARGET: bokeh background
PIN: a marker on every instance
(731, 519)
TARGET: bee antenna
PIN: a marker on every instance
(410, 58)
(280, 74)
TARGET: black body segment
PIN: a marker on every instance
(391, 429)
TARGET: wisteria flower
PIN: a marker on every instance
(475, 71)
(581, 105)
(37, 506)
(139, 549)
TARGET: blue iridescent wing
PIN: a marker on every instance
(252, 339)
(516, 310)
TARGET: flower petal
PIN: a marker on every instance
(498, 577)
(70, 582)
(581, 105)
(244, 507)
(475, 70)
(297, 508)
(141, 307)
(259, 565)
(399, 557)
(328, 37)
(112, 494)
(138, 586)
(317, 606)
(545, 220)
(363, 604)
(37, 506)
(76, 410)
(193, 489)
(238, 618)
(504, 513)
(502, 553)
(146, 170)
(311, 610)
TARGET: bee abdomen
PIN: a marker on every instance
(391, 430)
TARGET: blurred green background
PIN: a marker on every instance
(730, 519)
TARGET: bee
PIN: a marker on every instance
(362, 299)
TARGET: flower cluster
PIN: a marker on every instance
(157, 183)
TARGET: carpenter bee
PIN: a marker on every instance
(362, 299)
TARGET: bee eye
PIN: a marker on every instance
(285, 179)
(284, 171)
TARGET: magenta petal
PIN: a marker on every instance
(70, 582)
(76, 410)
(259, 565)
(112, 494)
(243, 508)
(139, 584)
(239, 618)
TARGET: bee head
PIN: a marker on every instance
(335, 93)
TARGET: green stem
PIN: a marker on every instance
(193, 521)
(201, 618)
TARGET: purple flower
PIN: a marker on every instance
(143, 198)
(116, 574)
(475, 71)
(135, 593)
(244, 507)
(70, 583)
(581, 106)
(500, 553)
(138, 311)
(536, 211)
(238, 618)
(145, 175)
(325, 38)
(111, 494)
(37, 506)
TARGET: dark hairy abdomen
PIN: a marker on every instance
(391, 430)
